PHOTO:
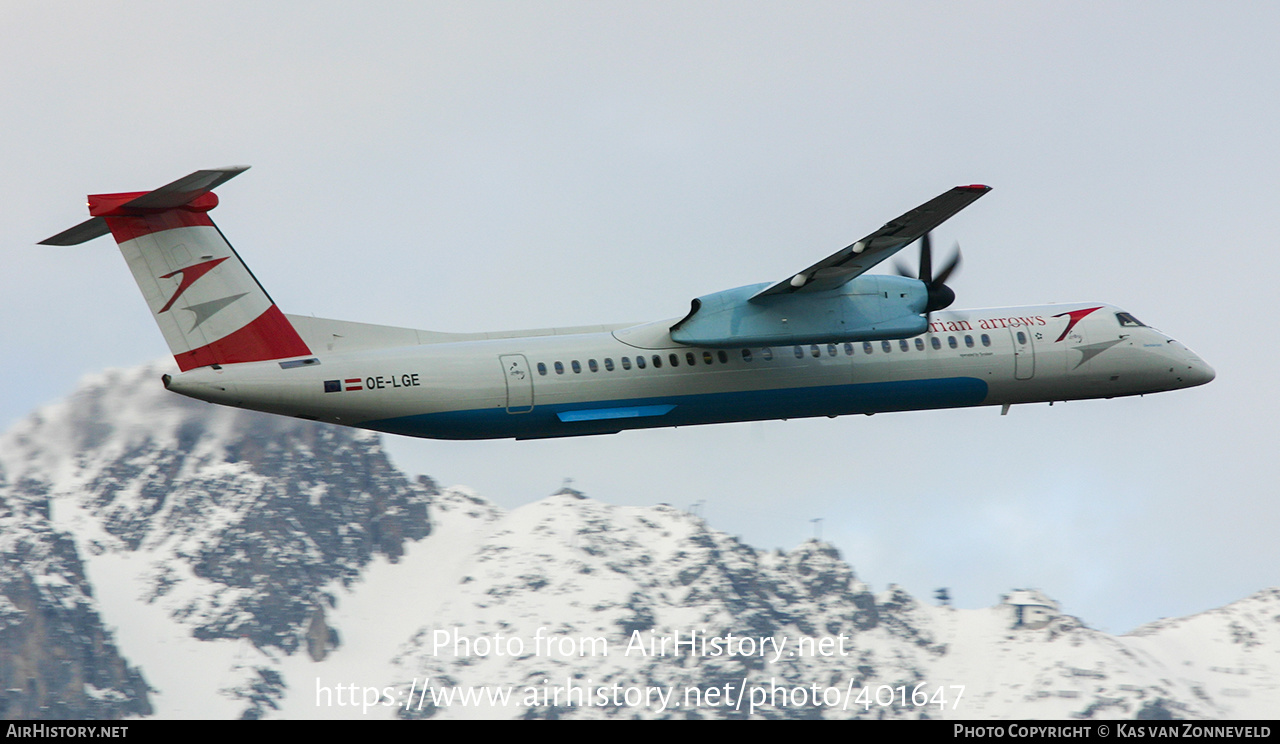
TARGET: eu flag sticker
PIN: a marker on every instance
(333, 386)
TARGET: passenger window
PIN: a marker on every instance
(724, 356)
(968, 341)
(639, 362)
(1022, 337)
(919, 344)
(706, 357)
(986, 340)
(608, 364)
(690, 358)
(746, 355)
(848, 349)
(559, 368)
(542, 369)
(626, 363)
(886, 347)
(657, 361)
(815, 351)
(675, 359)
(577, 368)
(951, 341)
(831, 349)
(866, 347)
(591, 365)
(902, 344)
(934, 342)
(766, 354)
(799, 353)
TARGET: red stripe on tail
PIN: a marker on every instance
(127, 223)
(269, 336)
(128, 228)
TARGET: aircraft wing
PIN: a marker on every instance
(855, 259)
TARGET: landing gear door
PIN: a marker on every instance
(1024, 354)
(515, 370)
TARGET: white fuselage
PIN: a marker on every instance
(570, 382)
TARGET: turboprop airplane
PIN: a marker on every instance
(830, 340)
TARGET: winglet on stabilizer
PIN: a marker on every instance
(188, 191)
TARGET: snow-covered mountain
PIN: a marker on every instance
(164, 557)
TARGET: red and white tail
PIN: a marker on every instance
(208, 305)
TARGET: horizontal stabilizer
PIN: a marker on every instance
(184, 192)
(94, 227)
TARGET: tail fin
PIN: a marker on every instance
(207, 303)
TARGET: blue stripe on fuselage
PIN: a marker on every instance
(598, 414)
(687, 410)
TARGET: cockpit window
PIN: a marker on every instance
(1128, 321)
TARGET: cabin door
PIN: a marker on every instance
(515, 370)
(1024, 354)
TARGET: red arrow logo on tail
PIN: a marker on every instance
(189, 277)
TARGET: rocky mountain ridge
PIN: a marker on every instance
(164, 557)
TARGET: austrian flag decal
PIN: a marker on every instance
(337, 386)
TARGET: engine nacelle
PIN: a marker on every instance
(867, 308)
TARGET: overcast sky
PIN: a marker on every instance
(484, 166)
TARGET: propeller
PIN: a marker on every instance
(940, 295)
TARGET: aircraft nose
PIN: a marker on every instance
(1188, 369)
(1191, 370)
(1200, 373)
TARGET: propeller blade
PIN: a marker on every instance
(949, 268)
(926, 259)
